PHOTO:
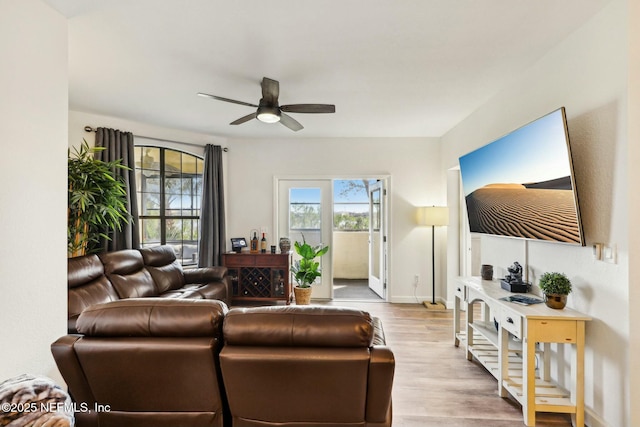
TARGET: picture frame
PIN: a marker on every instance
(237, 243)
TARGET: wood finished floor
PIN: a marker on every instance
(434, 384)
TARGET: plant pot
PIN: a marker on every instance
(557, 301)
(303, 295)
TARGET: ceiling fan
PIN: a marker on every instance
(269, 111)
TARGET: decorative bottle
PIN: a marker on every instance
(254, 243)
(263, 244)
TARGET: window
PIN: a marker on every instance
(351, 204)
(304, 209)
(169, 196)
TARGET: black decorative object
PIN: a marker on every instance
(486, 271)
(237, 243)
(512, 282)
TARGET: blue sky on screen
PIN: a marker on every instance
(533, 153)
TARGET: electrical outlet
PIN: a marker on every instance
(610, 253)
(416, 280)
(597, 251)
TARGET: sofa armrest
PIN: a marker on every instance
(204, 274)
(71, 324)
(69, 366)
(379, 384)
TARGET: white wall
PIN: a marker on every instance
(632, 386)
(412, 163)
(587, 74)
(78, 120)
(33, 137)
(350, 254)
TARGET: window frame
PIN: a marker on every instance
(162, 215)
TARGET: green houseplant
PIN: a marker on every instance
(556, 287)
(96, 200)
(306, 269)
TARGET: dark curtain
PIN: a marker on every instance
(212, 224)
(119, 145)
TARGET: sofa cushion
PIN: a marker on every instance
(154, 317)
(211, 291)
(87, 286)
(125, 269)
(83, 269)
(164, 268)
(298, 326)
(183, 293)
(205, 274)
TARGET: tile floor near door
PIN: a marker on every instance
(353, 289)
(435, 385)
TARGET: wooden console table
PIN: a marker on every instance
(507, 338)
(256, 277)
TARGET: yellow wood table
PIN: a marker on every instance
(508, 338)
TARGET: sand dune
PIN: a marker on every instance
(514, 210)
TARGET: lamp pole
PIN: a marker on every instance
(433, 264)
(434, 216)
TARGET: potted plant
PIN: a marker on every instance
(556, 287)
(306, 269)
(96, 200)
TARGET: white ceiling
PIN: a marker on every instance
(392, 68)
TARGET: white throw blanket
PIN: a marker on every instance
(29, 401)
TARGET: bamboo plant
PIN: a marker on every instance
(96, 200)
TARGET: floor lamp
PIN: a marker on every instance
(435, 216)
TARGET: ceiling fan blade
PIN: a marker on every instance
(290, 122)
(246, 118)
(270, 90)
(219, 98)
(308, 108)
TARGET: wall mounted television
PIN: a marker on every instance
(522, 184)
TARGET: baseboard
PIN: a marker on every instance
(416, 300)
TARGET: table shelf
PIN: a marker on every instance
(521, 366)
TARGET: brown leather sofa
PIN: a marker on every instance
(148, 272)
(176, 362)
(306, 365)
(145, 362)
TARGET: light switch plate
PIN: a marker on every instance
(610, 254)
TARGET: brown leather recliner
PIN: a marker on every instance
(148, 272)
(306, 366)
(148, 362)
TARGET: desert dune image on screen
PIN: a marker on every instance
(520, 185)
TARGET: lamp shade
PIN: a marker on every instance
(433, 215)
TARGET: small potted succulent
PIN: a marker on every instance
(556, 287)
(306, 269)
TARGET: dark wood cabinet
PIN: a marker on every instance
(259, 276)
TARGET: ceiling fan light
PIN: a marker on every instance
(268, 115)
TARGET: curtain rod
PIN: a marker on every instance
(225, 149)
